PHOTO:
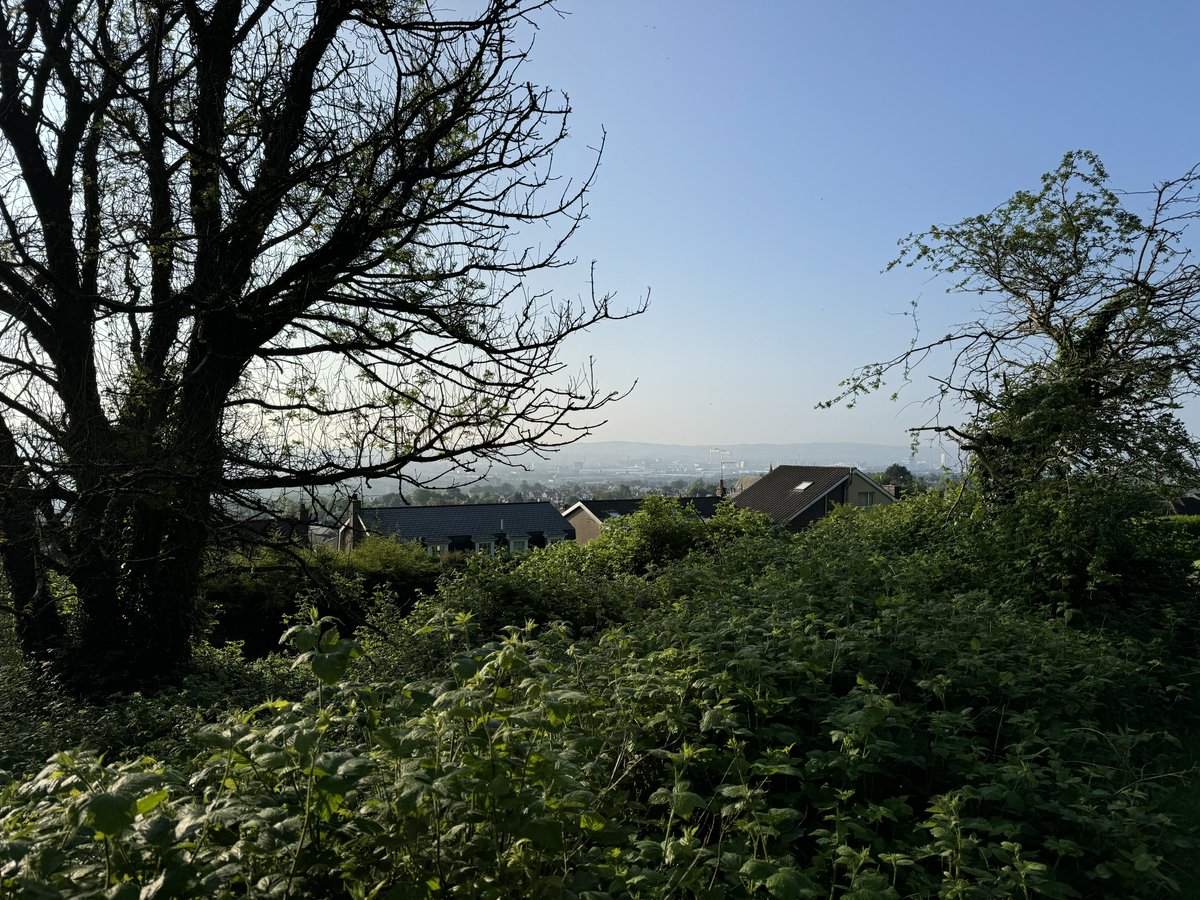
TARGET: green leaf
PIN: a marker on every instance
(758, 869)
(684, 802)
(788, 884)
(150, 801)
(545, 834)
(110, 813)
(590, 821)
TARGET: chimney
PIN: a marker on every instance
(352, 530)
(721, 488)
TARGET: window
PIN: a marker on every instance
(518, 545)
(554, 538)
(487, 547)
(866, 499)
(439, 548)
(802, 486)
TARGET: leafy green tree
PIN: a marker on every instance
(898, 475)
(662, 529)
(251, 246)
(1087, 341)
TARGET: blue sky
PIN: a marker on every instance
(764, 157)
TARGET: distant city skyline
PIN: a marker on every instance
(613, 462)
(761, 163)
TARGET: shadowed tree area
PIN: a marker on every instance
(258, 245)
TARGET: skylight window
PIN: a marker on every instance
(802, 486)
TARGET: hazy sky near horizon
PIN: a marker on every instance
(764, 157)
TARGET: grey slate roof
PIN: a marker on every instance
(775, 493)
(607, 509)
(479, 520)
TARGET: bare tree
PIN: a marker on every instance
(1088, 336)
(255, 244)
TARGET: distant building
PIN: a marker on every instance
(588, 516)
(1187, 505)
(483, 527)
(742, 483)
(796, 496)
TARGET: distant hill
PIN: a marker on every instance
(633, 461)
(633, 454)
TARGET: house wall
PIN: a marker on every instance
(821, 508)
(586, 527)
(859, 486)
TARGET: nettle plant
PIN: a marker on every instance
(738, 759)
(756, 733)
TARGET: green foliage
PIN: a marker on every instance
(662, 530)
(38, 716)
(403, 566)
(1093, 547)
(1188, 526)
(245, 599)
(730, 523)
(1086, 547)
(734, 745)
(888, 705)
(900, 477)
(248, 599)
(558, 583)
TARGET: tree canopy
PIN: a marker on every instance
(1087, 337)
(250, 245)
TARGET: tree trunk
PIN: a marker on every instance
(39, 626)
(136, 587)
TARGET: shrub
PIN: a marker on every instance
(39, 717)
(662, 529)
(739, 744)
(490, 593)
(885, 706)
(249, 598)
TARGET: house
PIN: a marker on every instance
(263, 529)
(486, 527)
(742, 483)
(587, 516)
(796, 496)
(1187, 505)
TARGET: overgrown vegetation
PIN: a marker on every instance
(248, 598)
(934, 698)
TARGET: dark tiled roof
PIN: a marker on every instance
(1188, 505)
(481, 520)
(706, 506)
(776, 492)
(607, 509)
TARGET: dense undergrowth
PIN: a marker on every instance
(934, 699)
